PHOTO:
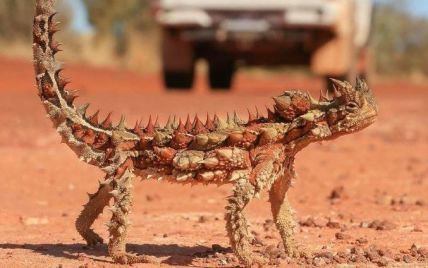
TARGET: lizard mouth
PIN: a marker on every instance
(362, 124)
(354, 126)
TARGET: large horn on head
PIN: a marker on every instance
(282, 102)
(342, 89)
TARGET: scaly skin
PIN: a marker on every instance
(255, 155)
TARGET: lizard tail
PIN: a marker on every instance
(89, 139)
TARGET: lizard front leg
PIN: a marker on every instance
(236, 223)
(274, 169)
(119, 223)
(282, 214)
(246, 188)
(92, 210)
(282, 211)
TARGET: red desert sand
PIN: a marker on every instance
(361, 199)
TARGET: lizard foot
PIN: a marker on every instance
(298, 252)
(127, 258)
(259, 262)
(92, 239)
(254, 262)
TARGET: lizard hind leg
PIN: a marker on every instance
(91, 210)
(236, 224)
(283, 215)
(119, 223)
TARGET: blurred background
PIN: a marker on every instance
(174, 38)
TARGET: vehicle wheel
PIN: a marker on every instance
(221, 74)
(178, 61)
(178, 80)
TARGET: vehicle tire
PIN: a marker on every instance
(220, 74)
(178, 61)
(174, 80)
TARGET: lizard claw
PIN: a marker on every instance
(259, 262)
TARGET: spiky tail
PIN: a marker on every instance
(91, 141)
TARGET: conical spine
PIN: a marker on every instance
(58, 101)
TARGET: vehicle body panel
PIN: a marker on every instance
(329, 36)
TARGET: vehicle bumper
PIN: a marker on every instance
(184, 13)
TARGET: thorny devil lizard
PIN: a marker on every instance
(252, 156)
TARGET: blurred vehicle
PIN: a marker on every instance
(329, 36)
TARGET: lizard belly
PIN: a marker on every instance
(191, 166)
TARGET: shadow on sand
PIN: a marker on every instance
(176, 255)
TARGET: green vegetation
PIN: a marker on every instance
(16, 19)
(119, 19)
(400, 41)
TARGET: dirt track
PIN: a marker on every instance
(379, 179)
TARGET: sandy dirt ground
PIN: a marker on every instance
(360, 200)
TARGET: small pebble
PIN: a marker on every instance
(342, 236)
(203, 219)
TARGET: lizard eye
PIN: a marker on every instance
(351, 107)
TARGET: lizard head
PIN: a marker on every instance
(351, 109)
